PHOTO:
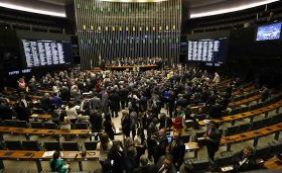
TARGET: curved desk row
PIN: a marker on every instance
(39, 156)
(245, 89)
(241, 137)
(44, 132)
(249, 114)
(248, 100)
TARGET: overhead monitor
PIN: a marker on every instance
(210, 51)
(269, 32)
(44, 53)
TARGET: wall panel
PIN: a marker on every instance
(113, 31)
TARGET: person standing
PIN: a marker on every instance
(177, 149)
(126, 124)
(114, 102)
(212, 140)
(109, 127)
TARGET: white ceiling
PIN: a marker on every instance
(197, 8)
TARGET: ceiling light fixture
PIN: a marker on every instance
(134, 1)
(231, 9)
(32, 10)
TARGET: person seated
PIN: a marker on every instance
(57, 164)
(144, 167)
(246, 160)
(165, 165)
(71, 111)
(66, 124)
(105, 143)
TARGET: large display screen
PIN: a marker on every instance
(40, 53)
(208, 50)
(269, 32)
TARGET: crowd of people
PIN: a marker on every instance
(136, 61)
(153, 106)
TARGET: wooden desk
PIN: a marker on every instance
(273, 163)
(192, 146)
(196, 108)
(245, 89)
(37, 156)
(245, 101)
(44, 132)
(43, 117)
(249, 114)
(254, 134)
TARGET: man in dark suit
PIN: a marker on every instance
(123, 92)
(177, 149)
(22, 109)
(212, 140)
(6, 113)
(215, 110)
(162, 144)
(145, 167)
(114, 102)
(245, 160)
(165, 165)
(165, 122)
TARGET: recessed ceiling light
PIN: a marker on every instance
(32, 10)
(230, 9)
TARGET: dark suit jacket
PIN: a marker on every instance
(215, 137)
(165, 121)
(172, 169)
(145, 169)
(5, 112)
(249, 164)
(178, 152)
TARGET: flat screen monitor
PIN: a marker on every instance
(269, 32)
(44, 53)
(210, 51)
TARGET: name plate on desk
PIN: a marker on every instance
(34, 116)
(201, 138)
(227, 168)
(48, 154)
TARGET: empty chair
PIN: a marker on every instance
(264, 152)
(50, 146)
(276, 148)
(31, 145)
(231, 130)
(70, 146)
(80, 126)
(185, 138)
(244, 128)
(37, 125)
(200, 165)
(22, 124)
(224, 160)
(50, 126)
(13, 145)
(10, 123)
(259, 124)
(90, 145)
